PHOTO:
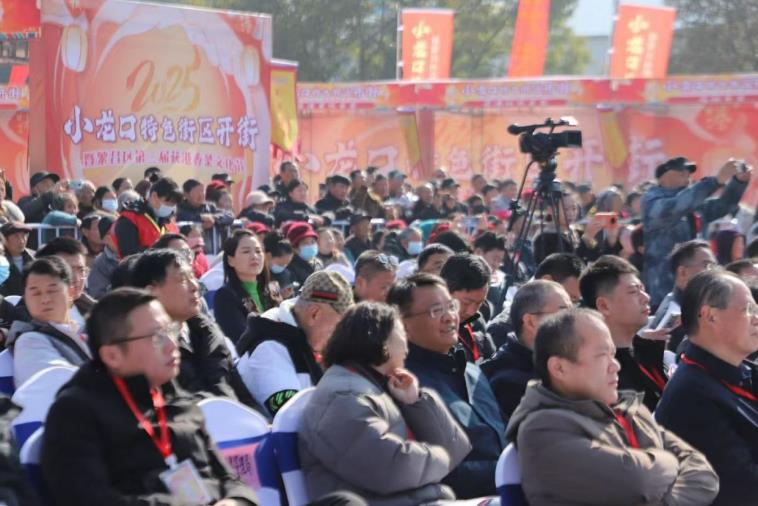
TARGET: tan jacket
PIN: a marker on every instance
(356, 437)
(576, 452)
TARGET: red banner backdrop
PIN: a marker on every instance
(628, 127)
(642, 42)
(530, 39)
(19, 19)
(115, 104)
(427, 43)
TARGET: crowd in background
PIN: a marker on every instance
(436, 331)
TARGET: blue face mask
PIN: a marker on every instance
(110, 205)
(309, 252)
(165, 211)
(5, 269)
(415, 247)
(277, 269)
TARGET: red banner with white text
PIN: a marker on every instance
(642, 42)
(427, 43)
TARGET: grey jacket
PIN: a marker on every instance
(37, 346)
(101, 270)
(576, 452)
(667, 221)
(356, 437)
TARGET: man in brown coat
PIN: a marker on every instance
(580, 441)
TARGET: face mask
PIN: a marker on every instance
(110, 205)
(165, 211)
(308, 252)
(415, 247)
(277, 269)
(5, 269)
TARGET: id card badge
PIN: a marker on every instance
(183, 482)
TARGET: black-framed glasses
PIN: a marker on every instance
(436, 311)
(159, 337)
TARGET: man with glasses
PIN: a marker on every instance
(612, 286)
(207, 366)
(712, 400)
(51, 337)
(687, 260)
(430, 317)
(512, 367)
(374, 275)
(121, 432)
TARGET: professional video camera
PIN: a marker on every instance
(543, 146)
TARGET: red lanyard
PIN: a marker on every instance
(162, 443)
(734, 388)
(654, 375)
(472, 347)
(620, 418)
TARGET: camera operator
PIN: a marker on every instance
(673, 209)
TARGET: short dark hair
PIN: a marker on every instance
(374, 322)
(117, 183)
(166, 239)
(285, 165)
(557, 336)
(489, 241)
(294, 184)
(738, 265)
(61, 246)
(429, 251)
(453, 240)
(100, 193)
(713, 288)
(122, 274)
(548, 242)
(372, 262)
(685, 252)
(52, 266)
(401, 293)
(152, 267)
(464, 271)
(602, 277)
(109, 318)
(560, 267)
(529, 299)
(278, 246)
(167, 189)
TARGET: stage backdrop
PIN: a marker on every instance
(629, 127)
(129, 85)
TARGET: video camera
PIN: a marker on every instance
(543, 146)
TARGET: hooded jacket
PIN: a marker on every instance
(355, 437)
(577, 452)
(36, 346)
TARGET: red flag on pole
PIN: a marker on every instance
(530, 39)
(427, 43)
(642, 42)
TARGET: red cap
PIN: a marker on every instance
(299, 231)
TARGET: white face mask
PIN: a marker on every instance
(165, 211)
(110, 205)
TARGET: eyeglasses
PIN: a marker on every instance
(436, 311)
(159, 338)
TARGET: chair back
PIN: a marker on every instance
(35, 397)
(7, 386)
(30, 455)
(284, 437)
(239, 432)
(508, 478)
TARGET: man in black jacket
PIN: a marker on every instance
(337, 189)
(512, 367)
(121, 431)
(16, 235)
(44, 188)
(712, 400)
(612, 286)
(206, 366)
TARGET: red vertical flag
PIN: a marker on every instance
(530, 39)
(427, 44)
(642, 42)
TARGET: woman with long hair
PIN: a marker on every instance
(369, 428)
(245, 288)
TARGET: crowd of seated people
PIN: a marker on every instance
(612, 358)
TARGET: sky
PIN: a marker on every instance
(595, 17)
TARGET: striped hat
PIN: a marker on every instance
(327, 287)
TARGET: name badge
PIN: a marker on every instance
(183, 482)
